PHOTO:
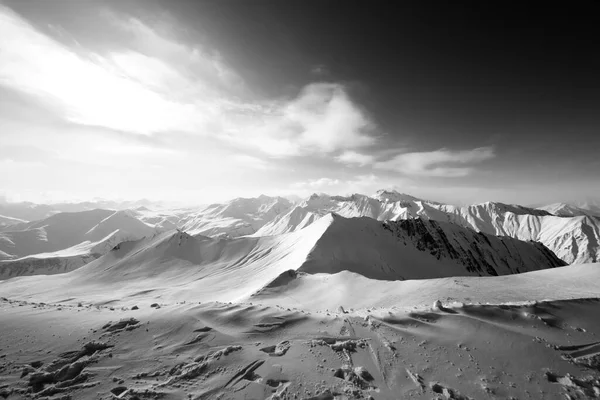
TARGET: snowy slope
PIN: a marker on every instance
(295, 341)
(416, 249)
(569, 210)
(224, 269)
(329, 291)
(61, 261)
(26, 211)
(46, 265)
(161, 220)
(591, 205)
(388, 206)
(238, 217)
(5, 221)
(65, 230)
(573, 239)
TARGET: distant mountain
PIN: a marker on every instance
(386, 206)
(574, 240)
(5, 221)
(28, 211)
(569, 210)
(592, 205)
(44, 264)
(238, 217)
(64, 230)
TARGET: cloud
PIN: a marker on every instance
(90, 92)
(321, 119)
(162, 85)
(354, 158)
(438, 163)
(367, 183)
(314, 184)
(159, 42)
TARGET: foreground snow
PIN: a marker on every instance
(325, 291)
(217, 350)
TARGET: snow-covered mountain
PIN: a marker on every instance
(385, 205)
(65, 241)
(72, 239)
(5, 221)
(44, 264)
(570, 210)
(238, 217)
(573, 239)
(407, 249)
(28, 211)
(64, 230)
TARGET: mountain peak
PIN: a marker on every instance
(392, 195)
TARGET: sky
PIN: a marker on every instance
(202, 101)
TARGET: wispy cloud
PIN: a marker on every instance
(353, 158)
(438, 163)
(367, 183)
(321, 119)
(315, 184)
(203, 63)
(90, 93)
(163, 85)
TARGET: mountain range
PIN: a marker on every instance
(468, 235)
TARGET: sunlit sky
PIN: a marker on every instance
(204, 101)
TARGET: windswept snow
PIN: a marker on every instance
(327, 291)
